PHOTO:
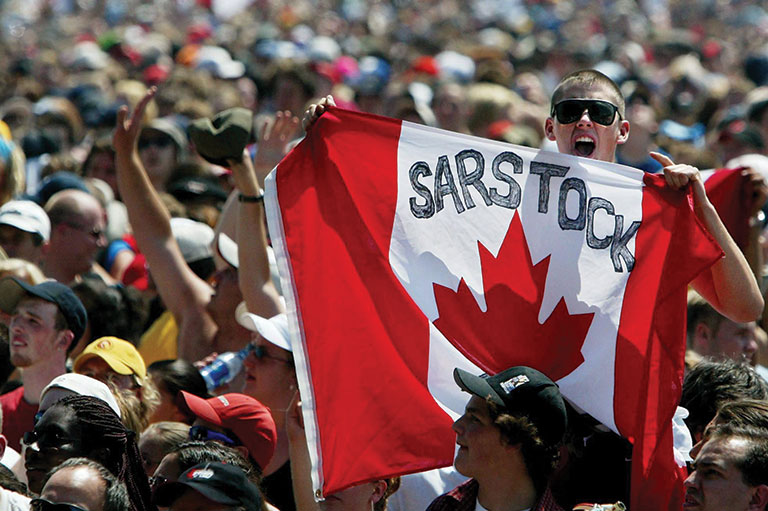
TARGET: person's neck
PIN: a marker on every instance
(501, 492)
(636, 149)
(280, 455)
(56, 271)
(36, 377)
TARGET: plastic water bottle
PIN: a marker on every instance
(224, 368)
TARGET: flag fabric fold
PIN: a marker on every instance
(407, 251)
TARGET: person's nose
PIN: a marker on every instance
(584, 120)
(691, 480)
(750, 348)
(458, 425)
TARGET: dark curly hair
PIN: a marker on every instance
(118, 311)
(711, 383)
(518, 429)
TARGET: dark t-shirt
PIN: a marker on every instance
(18, 416)
(278, 488)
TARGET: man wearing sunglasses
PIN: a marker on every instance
(587, 119)
(80, 484)
(77, 233)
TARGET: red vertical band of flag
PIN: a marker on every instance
(730, 193)
(651, 339)
(338, 235)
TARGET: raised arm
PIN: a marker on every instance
(255, 279)
(730, 287)
(301, 466)
(185, 294)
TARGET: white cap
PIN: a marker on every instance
(70, 384)
(228, 249)
(274, 329)
(194, 238)
(27, 216)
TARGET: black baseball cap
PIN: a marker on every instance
(220, 482)
(12, 290)
(525, 389)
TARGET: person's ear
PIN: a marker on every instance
(623, 135)
(549, 129)
(759, 500)
(65, 339)
(379, 489)
(702, 335)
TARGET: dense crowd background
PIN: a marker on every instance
(694, 74)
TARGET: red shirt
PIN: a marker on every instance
(18, 416)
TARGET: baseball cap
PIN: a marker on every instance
(222, 137)
(12, 290)
(521, 388)
(227, 248)
(194, 238)
(274, 329)
(120, 355)
(72, 383)
(220, 482)
(244, 416)
(26, 216)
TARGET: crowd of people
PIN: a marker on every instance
(135, 138)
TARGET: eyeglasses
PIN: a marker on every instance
(260, 352)
(159, 142)
(94, 233)
(47, 505)
(204, 434)
(50, 439)
(571, 110)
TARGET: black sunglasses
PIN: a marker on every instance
(571, 110)
(47, 505)
(259, 351)
(204, 434)
(159, 142)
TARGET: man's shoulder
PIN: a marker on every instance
(461, 498)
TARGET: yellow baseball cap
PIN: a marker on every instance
(120, 355)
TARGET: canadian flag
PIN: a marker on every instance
(409, 251)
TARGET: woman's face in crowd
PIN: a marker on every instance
(57, 436)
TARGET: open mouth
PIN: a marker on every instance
(690, 501)
(584, 146)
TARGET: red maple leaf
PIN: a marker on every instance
(509, 333)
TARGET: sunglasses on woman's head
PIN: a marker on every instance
(204, 434)
(571, 110)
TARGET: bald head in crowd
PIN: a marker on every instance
(77, 234)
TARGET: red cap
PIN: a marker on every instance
(246, 417)
(426, 65)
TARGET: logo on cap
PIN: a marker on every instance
(105, 344)
(201, 473)
(512, 383)
(223, 400)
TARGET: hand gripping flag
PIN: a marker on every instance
(408, 251)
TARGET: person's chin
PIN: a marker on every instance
(35, 480)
